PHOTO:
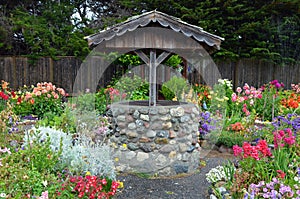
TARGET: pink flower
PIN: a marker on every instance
(28, 96)
(259, 96)
(247, 92)
(241, 99)
(233, 97)
(56, 96)
(44, 195)
(239, 89)
(38, 93)
(290, 140)
(237, 151)
(246, 87)
(289, 131)
(283, 137)
(281, 133)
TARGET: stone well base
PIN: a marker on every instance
(160, 140)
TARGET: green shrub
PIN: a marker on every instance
(133, 87)
(28, 170)
(84, 102)
(175, 87)
(65, 122)
(141, 93)
(101, 101)
(226, 138)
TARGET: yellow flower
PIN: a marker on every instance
(121, 184)
(125, 146)
(88, 173)
(116, 159)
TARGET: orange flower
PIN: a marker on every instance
(4, 85)
(32, 101)
(292, 103)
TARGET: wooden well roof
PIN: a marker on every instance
(212, 42)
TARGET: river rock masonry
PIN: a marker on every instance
(160, 140)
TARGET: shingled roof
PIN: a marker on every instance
(164, 20)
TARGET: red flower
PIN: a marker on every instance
(13, 94)
(257, 152)
(280, 174)
(4, 96)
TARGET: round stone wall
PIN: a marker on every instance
(160, 140)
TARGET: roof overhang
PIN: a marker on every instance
(165, 21)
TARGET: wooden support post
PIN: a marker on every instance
(152, 63)
(152, 77)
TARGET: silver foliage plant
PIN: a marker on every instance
(79, 155)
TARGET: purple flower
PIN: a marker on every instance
(261, 183)
(252, 196)
(277, 85)
(274, 194)
(275, 180)
(284, 189)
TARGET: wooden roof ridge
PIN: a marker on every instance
(165, 20)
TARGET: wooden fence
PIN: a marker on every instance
(19, 71)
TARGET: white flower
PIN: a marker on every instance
(2, 195)
(45, 183)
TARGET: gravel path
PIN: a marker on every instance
(192, 186)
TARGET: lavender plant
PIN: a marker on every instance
(78, 155)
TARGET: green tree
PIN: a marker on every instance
(264, 29)
(47, 28)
